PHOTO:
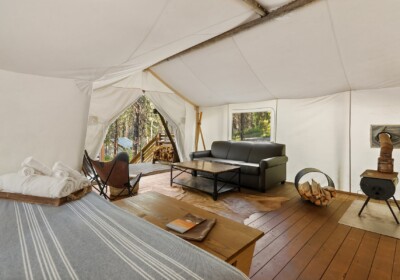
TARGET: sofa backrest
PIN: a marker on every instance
(246, 151)
(220, 149)
(265, 150)
(240, 151)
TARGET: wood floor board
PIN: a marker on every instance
(298, 246)
(285, 190)
(382, 265)
(297, 264)
(260, 219)
(283, 234)
(361, 265)
(279, 261)
(277, 226)
(396, 262)
(317, 266)
(340, 264)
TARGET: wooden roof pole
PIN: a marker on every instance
(196, 107)
(294, 5)
(257, 7)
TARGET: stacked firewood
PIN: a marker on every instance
(316, 194)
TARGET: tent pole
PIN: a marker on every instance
(285, 9)
(197, 131)
(170, 87)
(258, 8)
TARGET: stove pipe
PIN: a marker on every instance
(385, 161)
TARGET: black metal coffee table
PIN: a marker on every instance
(202, 183)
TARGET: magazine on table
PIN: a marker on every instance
(185, 223)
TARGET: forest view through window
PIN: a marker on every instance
(251, 126)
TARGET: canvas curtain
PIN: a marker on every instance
(181, 116)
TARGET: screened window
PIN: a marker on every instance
(251, 126)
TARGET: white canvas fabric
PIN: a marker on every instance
(316, 134)
(41, 117)
(181, 116)
(330, 54)
(371, 107)
(102, 115)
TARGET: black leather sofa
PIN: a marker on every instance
(262, 165)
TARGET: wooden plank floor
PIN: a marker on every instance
(303, 241)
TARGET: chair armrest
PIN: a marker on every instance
(274, 161)
(199, 154)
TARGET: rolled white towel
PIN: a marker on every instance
(37, 165)
(83, 183)
(60, 173)
(46, 186)
(13, 182)
(26, 171)
(71, 172)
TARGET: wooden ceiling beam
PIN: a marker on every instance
(257, 7)
(290, 7)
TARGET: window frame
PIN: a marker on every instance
(237, 110)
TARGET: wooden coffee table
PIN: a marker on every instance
(228, 240)
(203, 183)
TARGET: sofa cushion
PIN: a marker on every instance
(228, 161)
(250, 168)
(220, 149)
(205, 158)
(239, 151)
(265, 150)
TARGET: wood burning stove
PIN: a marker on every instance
(381, 184)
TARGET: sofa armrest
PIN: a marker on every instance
(274, 161)
(200, 154)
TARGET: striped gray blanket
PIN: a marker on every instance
(93, 239)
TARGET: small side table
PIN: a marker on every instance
(379, 186)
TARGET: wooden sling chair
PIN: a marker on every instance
(113, 174)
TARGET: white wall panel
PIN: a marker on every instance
(41, 117)
(316, 134)
(214, 124)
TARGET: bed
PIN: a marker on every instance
(93, 239)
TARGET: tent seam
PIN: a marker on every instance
(251, 69)
(337, 44)
(191, 71)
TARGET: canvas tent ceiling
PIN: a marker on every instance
(327, 47)
(339, 55)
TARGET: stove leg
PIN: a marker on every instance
(365, 204)
(391, 210)
(395, 201)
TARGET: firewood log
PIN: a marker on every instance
(327, 194)
(315, 189)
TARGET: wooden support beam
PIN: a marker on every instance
(257, 7)
(290, 7)
(197, 131)
(170, 87)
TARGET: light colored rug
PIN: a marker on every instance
(148, 168)
(375, 217)
(236, 206)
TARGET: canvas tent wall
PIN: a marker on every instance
(49, 46)
(327, 70)
(330, 69)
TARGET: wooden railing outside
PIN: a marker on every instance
(146, 153)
